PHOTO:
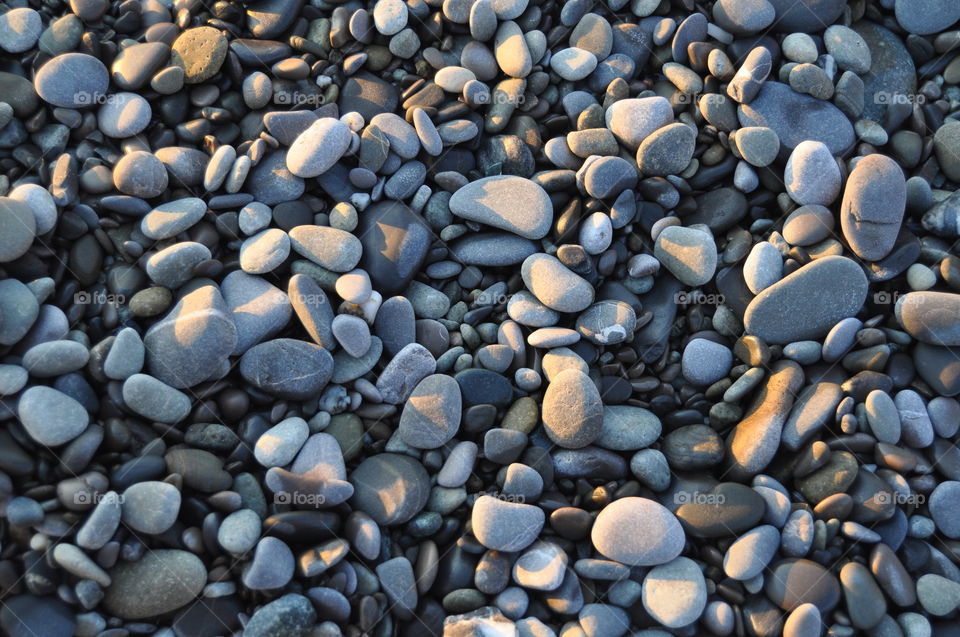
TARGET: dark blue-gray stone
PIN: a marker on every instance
(924, 17)
(254, 53)
(492, 249)
(285, 126)
(271, 183)
(208, 617)
(287, 368)
(484, 387)
(892, 75)
(395, 241)
(268, 19)
(795, 117)
(692, 29)
(18, 310)
(191, 342)
(939, 367)
(395, 324)
(33, 616)
(367, 95)
(289, 616)
(650, 340)
(806, 16)
(390, 488)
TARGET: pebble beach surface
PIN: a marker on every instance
(480, 318)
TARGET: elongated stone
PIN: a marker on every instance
(820, 294)
(754, 442)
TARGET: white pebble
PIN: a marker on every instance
(920, 277)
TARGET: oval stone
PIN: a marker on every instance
(172, 217)
(506, 202)
(864, 599)
(555, 285)
(627, 428)
(497, 249)
(930, 317)
(725, 509)
(124, 115)
(333, 249)
(318, 148)
(572, 410)
(638, 532)
(200, 52)
(666, 151)
(751, 552)
(159, 582)
(288, 368)
(812, 176)
(873, 205)
(923, 17)
(505, 526)
(264, 251)
(72, 80)
(431, 415)
(154, 399)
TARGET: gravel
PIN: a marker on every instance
(479, 317)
